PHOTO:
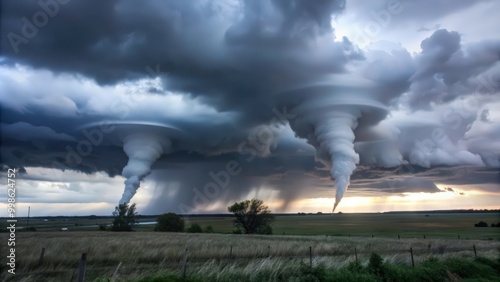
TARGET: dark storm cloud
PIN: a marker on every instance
(445, 69)
(245, 72)
(203, 54)
(475, 176)
(410, 178)
(405, 185)
(22, 131)
(296, 178)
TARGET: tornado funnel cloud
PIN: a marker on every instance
(142, 151)
(327, 116)
(335, 133)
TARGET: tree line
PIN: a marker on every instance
(250, 217)
(484, 224)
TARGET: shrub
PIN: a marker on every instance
(169, 222)
(345, 275)
(103, 227)
(209, 229)
(399, 273)
(430, 270)
(194, 228)
(495, 264)
(354, 266)
(481, 224)
(465, 268)
(308, 273)
(265, 230)
(376, 265)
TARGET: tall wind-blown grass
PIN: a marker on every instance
(210, 255)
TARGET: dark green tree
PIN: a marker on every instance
(124, 217)
(169, 222)
(481, 224)
(252, 216)
(195, 228)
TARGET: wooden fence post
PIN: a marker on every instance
(184, 263)
(310, 257)
(268, 251)
(475, 253)
(40, 260)
(356, 255)
(81, 268)
(412, 261)
(399, 237)
(231, 252)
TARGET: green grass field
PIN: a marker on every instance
(380, 225)
(407, 225)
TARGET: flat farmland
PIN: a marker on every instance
(388, 225)
(442, 225)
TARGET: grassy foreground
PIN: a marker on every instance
(480, 269)
(151, 256)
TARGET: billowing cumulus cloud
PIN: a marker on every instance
(213, 101)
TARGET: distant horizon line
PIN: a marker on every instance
(283, 214)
